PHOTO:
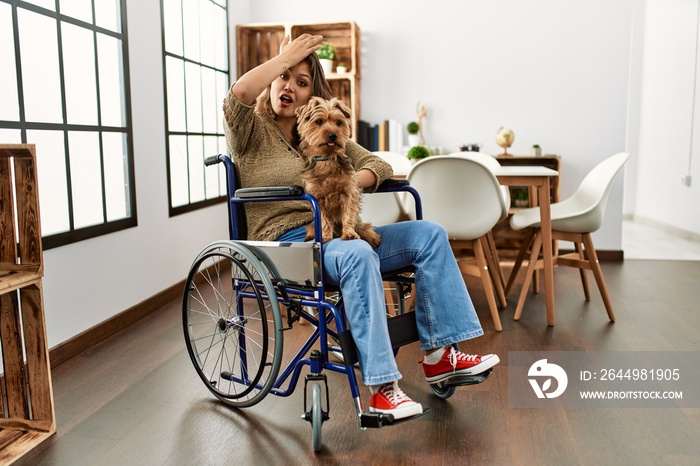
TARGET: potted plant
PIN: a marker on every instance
(413, 129)
(536, 151)
(417, 153)
(520, 198)
(341, 68)
(326, 54)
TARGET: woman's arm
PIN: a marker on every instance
(371, 169)
(366, 178)
(250, 85)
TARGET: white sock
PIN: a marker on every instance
(435, 356)
(375, 388)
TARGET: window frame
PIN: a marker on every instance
(192, 206)
(73, 234)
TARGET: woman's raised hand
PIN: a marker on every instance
(301, 47)
(251, 84)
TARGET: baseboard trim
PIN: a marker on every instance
(92, 336)
(609, 255)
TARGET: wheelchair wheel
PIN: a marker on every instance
(316, 416)
(442, 391)
(232, 324)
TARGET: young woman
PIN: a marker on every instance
(260, 118)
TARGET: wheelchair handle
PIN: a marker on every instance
(213, 159)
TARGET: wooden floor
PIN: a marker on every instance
(135, 398)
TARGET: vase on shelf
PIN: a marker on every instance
(327, 65)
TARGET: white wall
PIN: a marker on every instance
(669, 128)
(634, 106)
(554, 71)
(88, 282)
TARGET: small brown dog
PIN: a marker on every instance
(328, 175)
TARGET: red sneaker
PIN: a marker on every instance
(390, 399)
(455, 362)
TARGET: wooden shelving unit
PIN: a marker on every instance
(508, 241)
(257, 43)
(27, 415)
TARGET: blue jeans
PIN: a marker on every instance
(444, 311)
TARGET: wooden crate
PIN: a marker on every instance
(27, 411)
(256, 44)
(344, 36)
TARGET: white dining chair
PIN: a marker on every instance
(493, 164)
(463, 196)
(573, 219)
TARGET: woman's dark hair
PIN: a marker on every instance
(319, 87)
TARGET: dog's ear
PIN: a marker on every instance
(300, 111)
(343, 107)
(304, 112)
(316, 100)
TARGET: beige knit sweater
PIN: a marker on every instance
(264, 157)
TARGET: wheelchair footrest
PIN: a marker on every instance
(376, 420)
(461, 380)
(402, 331)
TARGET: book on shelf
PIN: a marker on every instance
(395, 136)
(384, 136)
(362, 134)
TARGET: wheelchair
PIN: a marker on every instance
(234, 325)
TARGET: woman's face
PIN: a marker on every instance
(291, 90)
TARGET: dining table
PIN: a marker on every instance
(538, 178)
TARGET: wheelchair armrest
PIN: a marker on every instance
(390, 183)
(269, 191)
(294, 190)
(402, 185)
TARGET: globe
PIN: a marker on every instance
(504, 138)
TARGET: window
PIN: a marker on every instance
(65, 89)
(195, 60)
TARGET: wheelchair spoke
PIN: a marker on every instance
(232, 324)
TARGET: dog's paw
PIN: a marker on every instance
(375, 241)
(350, 235)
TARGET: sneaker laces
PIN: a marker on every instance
(394, 394)
(456, 356)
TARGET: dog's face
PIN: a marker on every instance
(324, 126)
